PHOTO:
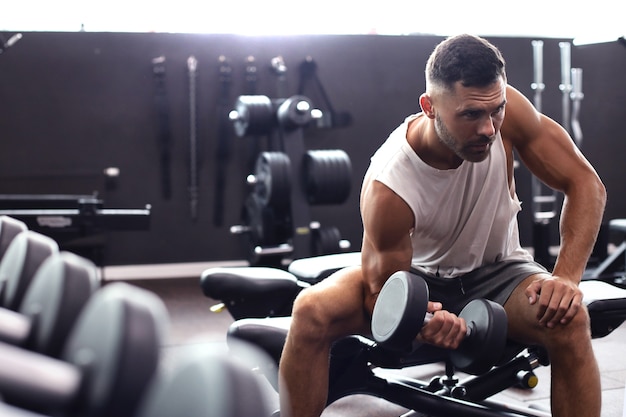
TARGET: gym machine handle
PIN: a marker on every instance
(282, 249)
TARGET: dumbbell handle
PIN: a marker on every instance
(31, 378)
(430, 316)
(15, 328)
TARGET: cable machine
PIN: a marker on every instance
(545, 201)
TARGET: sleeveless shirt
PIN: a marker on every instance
(464, 217)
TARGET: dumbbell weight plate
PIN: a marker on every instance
(116, 342)
(59, 290)
(400, 310)
(23, 257)
(9, 229)
(478, 353)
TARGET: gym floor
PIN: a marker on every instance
(192, 324)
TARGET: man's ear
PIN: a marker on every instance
(427, 106)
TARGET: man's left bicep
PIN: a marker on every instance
(552, 156)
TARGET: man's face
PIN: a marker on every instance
(468, 120)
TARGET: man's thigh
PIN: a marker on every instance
(522, 317)
(494, 282)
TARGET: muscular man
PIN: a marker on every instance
(439, 199)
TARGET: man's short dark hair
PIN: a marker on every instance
(466, 58)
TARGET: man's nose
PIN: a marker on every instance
(487, 127)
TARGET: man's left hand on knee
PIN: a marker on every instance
(558, 300)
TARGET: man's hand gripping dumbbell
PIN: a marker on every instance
(401, 311)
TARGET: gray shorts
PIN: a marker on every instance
(494, 282)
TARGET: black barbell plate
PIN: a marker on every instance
(295, 112)
(327, 176)
(273, 175)
(400, 310)
(266, 228)
(326, 241)
(255, 115)
(255, 217)
(478, 353)
(344, 176)
(342, 182)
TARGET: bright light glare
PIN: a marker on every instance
(532, 18)
(592, 38)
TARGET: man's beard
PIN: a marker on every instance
(464, 152)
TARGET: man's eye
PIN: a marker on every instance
(498, 112)
(472, 114)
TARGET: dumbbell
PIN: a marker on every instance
(108, 361)
(59, 290)
(401, 310)
(20, 262)
(7, 410)
(9, 228)
(210, 383)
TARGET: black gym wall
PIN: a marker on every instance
(73, 104)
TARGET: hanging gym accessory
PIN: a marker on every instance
(223, 150)
(329, 118)
(164, 136)
(192, 67)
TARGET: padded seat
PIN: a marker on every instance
(606, 304)
(252, 291)
(268, 334)
(315, 269)
(229, 283)
(618, 225)
(616, 261)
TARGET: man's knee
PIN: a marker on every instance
(576, 332)
(306, 305)
(580, 325)
(308, 318)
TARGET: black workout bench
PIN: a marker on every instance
(358, 363)
(613, 267)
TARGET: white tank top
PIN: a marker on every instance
(464, 217)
